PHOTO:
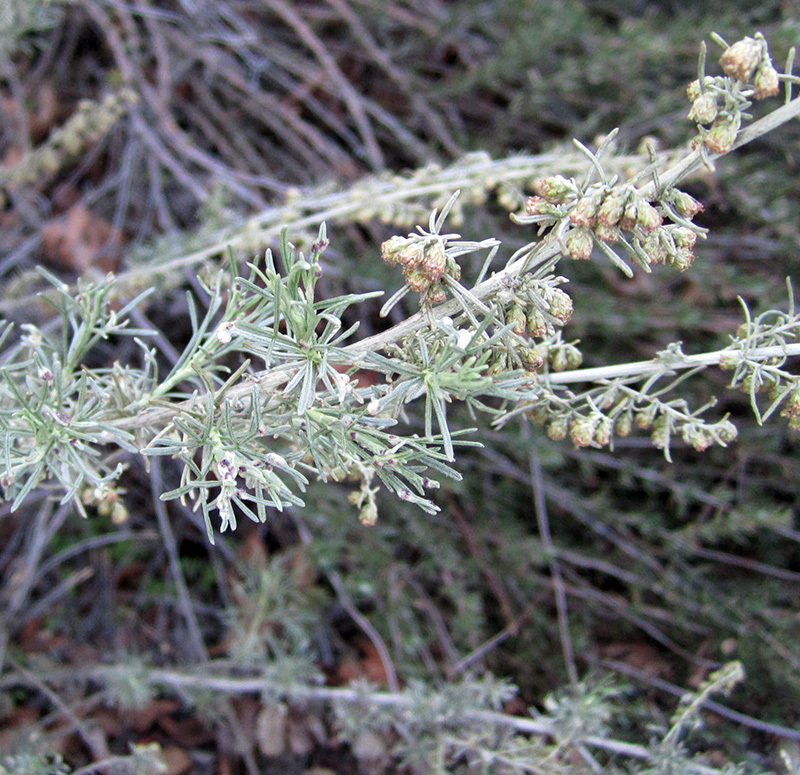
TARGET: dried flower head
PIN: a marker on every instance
(721, 136)
(685, 205)
(693, 90)
(792, 406)
(584, 213)
(766, 82)
(742, 58)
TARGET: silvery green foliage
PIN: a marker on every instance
(270, 391)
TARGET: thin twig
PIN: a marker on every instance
(540, 508)
(196, 642)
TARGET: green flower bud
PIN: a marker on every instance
(537, 325)
(119, 513)
(697, 438)
(582, 432)
(574, 356)
(435, 294)
(579, 243)
(557, 430)
(416, 279)
(392, 247)
(726, 431)
(602, 434)
(531, 359)
(659, 436)
(683, 259)
(537, 415)
(561, 306)
(722, 134)
(498, 363)
(623, 425)
(644, 418)
(693, 90)
(704, 109)
(683, 237)
(411, 256)
(613, 208)
(368, 514)
(628, 220)
(647, 217)
(557, 189)
(536, 205)
(517, 319)
(453, 269)
(558, 360)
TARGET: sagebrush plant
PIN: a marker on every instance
(274, 390)
(249, 438)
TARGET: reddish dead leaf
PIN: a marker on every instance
(142, 719)
(640, 656)
(82, 240)
(189, 732)
(16, 726)
(371, 662)
(48, 112)
(177, 760)
(368, 665)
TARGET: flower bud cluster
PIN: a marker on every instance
(717, 103)
(748, 60)
(424, 262)
(531, 358)
(673, 245)
(791, 409)
(592, 431)
(536, 309)
(702, 436)
(107, 500)
(564, 357)
(602, 213)
(88, 124)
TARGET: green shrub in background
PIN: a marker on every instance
(275, 394)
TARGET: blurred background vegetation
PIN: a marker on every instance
(668, 569)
